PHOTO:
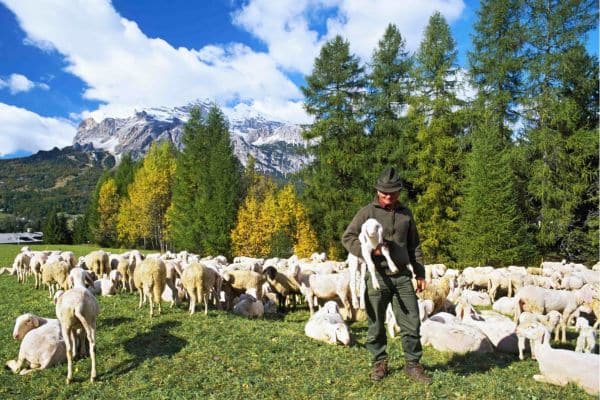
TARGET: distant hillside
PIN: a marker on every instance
(31, 186)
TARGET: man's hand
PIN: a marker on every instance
(421, 284)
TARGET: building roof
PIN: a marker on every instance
(21, 237)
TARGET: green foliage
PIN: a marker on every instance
(207, 187)
(224, 356)
(55, 228)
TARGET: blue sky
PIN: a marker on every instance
(66, 60)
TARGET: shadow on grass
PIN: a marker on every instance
(114, 321)
(156, 343)
(472, 363)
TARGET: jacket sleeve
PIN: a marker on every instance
(350, 237)
(415, 254)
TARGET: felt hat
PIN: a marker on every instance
(389, 181)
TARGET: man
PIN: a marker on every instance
(401, 237)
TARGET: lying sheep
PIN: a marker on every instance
(444, 332)
(199, 281)
(239, 281)
(560, 366)
(504, 305)
(425, 310)
(328, 325)
(42, 345)
(586, 341)
(249, 306)
(77, 308)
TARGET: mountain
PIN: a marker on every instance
(276, 145)
(64, 178)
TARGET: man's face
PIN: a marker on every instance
(387, 199)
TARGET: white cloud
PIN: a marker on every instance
(28, 131)
(17, 83)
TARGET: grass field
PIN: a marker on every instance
(223, 356)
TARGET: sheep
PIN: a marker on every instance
(97, 262)
(104, 286)
(42, 345)
(248, 305)
(540, 300)
(425, 310)
(78, 308)
(479, 299)
(152, 276)
(328, 325)
(55, 273)
(586, 341)
(198, 280)
(474, 277)
(434, 271)
(560, 366)
(35, 265)
(498, 328)
(444, 332)
(551, 321)
(79, 277)
(21, 265)
(237, 282)
(499, 279)
(326, 287)
(122, 266)
(504, 305)
(283, 285)
(438, 293)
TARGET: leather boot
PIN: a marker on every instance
(380, 370)
(415, 371)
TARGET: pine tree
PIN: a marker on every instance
(55, 229)
(388, 97)
(557, 112)
(207, 187)
(490, 229)
(335, 184)
(436, 156)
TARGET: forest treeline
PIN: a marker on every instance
(499, 162)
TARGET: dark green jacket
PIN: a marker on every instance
(399, 231)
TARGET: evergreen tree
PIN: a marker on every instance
(561, 118)
(55, 229)
(491, 230)
(436, 156)
(80, 230)
(124, 174)
(335, 184)
(389, 93)
(207, 187)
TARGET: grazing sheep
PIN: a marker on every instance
(586, 341)
(35, 265)
(42, 345)
(284, 286)
(239, 281)
(560, 366)
(328, 325)
(21, 265)
(152, 274)
(198, 280)
(97, 262)
(55, 273)
(474, 277)
(248, 305)
(540, 300)
(77, 308)
(326, 287)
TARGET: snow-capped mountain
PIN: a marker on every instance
(274, 144)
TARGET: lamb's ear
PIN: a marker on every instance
(35, 322)
(380, 233)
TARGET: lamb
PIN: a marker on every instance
(152, 276)
(328, 325)
(560, 366)
(75, 309)
(284, 286)
(371, 238)
(198, 280)
(586, 341)
(540, 300)
(237, 282)
(42, 345)
(551, 321)
(249, 306)
(55, 273)
(446, 333)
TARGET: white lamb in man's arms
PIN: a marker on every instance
(371, 237)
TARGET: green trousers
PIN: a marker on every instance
(399, 291)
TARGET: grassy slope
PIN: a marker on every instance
(222, 356)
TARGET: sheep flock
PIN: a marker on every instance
(512, 310)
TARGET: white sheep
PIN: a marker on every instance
(425, 310)
(540, 300)
(79, 277)
(21, 265)
(560, 366)
(55, 273)
(551, 321)
(77, 308)
(326, 287)
(42, 345)
(152, 275)
(249, 306)
(285, 287)
(198, 280)
(586, 341)
(239, 281)
(97, 262)
(444, 332)
(328, 325)
(504, 305)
